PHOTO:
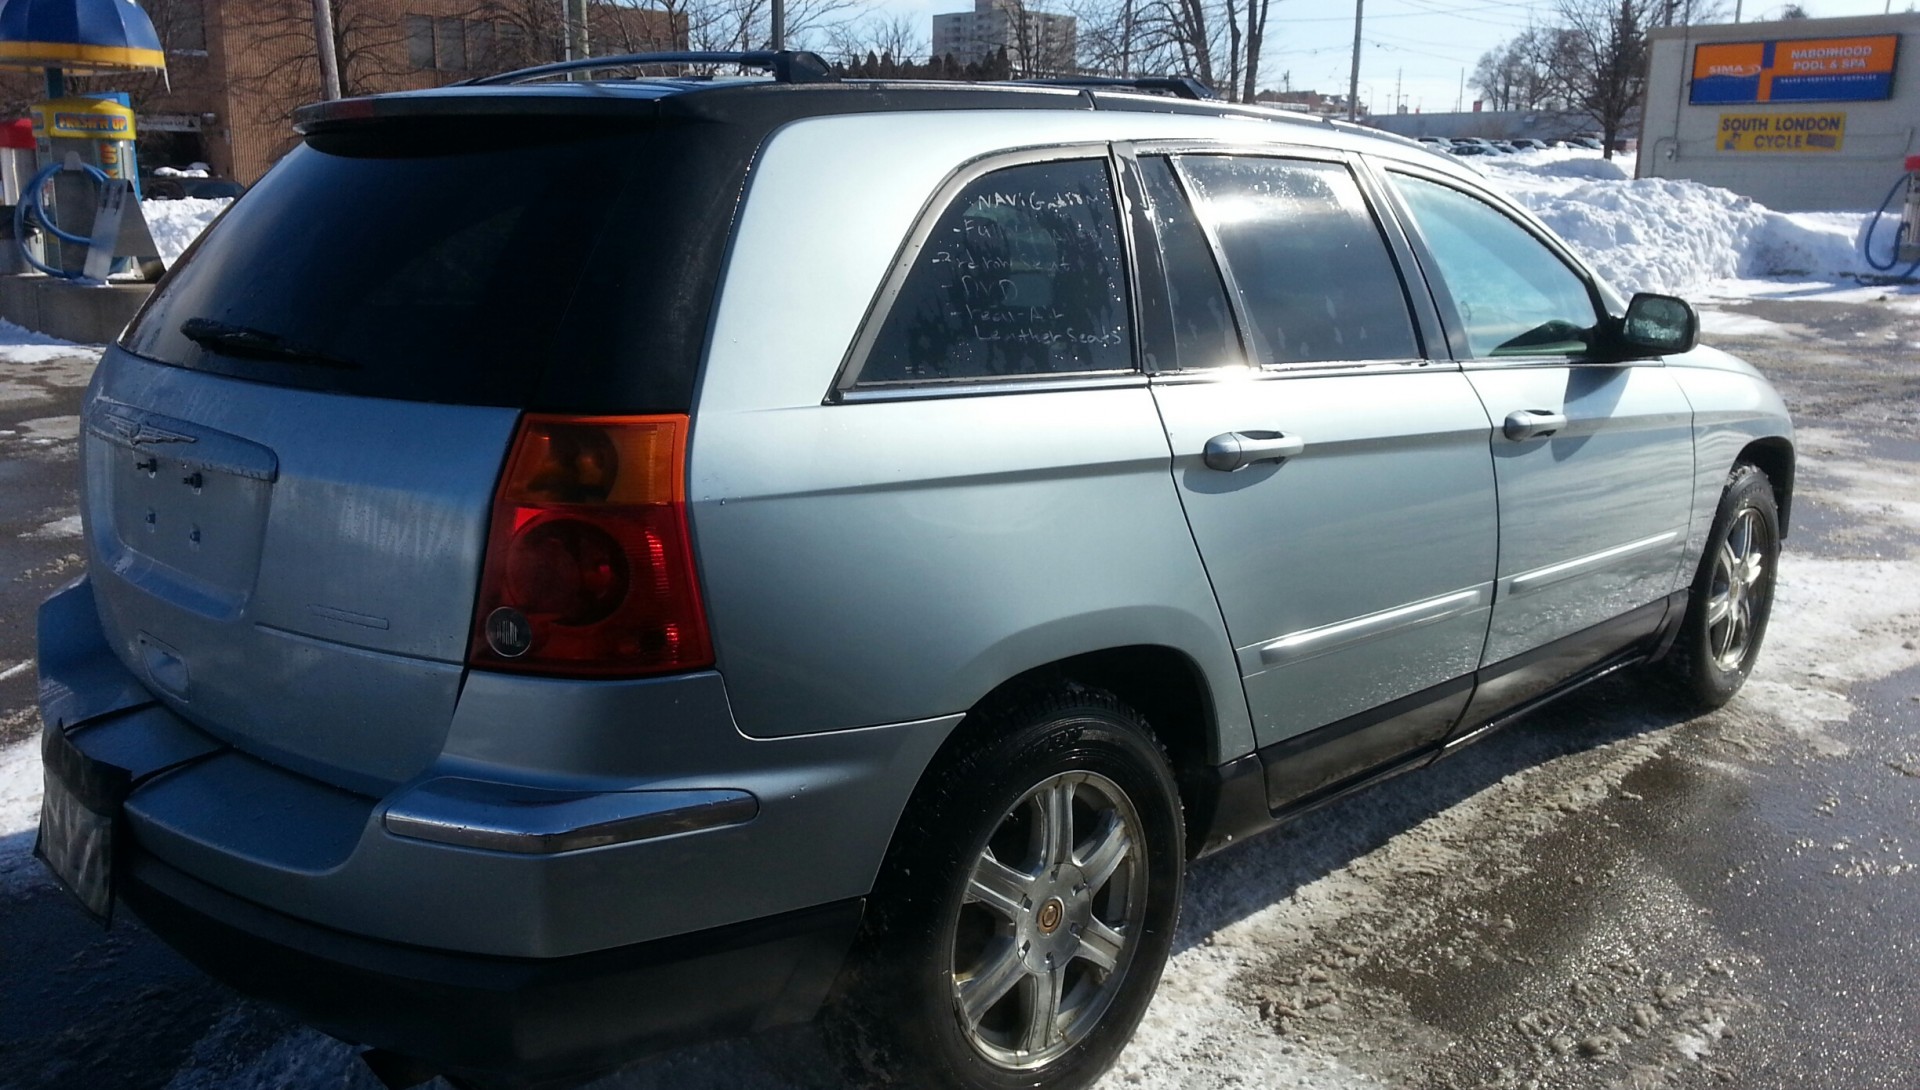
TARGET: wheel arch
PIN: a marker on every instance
(1166, 685)
(1773, 455)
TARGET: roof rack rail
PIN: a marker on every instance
(786, 65)
(1177, 86)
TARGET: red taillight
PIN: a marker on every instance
(589, 568)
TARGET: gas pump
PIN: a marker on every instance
(97, 128)
(1906, 229)
(82, 143)
(85, 143)
(1909, 236)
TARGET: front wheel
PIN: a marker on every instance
(1027, 905)
(1732, 594)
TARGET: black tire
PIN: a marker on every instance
(1727, 617)
(926, 939)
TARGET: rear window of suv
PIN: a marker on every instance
(566, 269)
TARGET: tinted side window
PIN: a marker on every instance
(1313, 271)
(1023, 274)
(1203, 331)
(1514, 295)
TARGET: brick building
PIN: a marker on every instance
(237, 69)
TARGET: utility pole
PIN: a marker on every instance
(1353, 78)
(779, 34)
(1398, 101)
(1460, 99)
(576, 20)
(323, 43)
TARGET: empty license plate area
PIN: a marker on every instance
(78, 815)
(183, 500)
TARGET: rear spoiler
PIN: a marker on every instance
(551, 100)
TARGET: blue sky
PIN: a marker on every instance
(1423, 44)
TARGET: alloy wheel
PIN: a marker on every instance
(1739, 587)
(1052, 914)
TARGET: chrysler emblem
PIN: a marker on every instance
(136, 431)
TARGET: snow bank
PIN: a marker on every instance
(1659, 234)
(1564, 163)
(176, 224)
(19, 344)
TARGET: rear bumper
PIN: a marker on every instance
(461, 1013)
(544, 927)
(531, 1017)
(560, 818)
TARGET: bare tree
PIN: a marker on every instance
(1116, 39)
(894, 36)
(1689, 12)
(1601, 61)
(1256, 41)
(1519, 75)
(1188, 34)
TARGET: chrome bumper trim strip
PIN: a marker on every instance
(535, 821)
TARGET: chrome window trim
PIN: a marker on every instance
(1300, 371)
(1052, 383)
(846, 382)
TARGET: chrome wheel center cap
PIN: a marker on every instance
(1049, 917)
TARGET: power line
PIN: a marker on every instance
(1425, 13)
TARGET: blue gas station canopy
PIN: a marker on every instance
(79, 36)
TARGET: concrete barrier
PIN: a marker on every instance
(83, 313)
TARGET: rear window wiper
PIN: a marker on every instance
(239, 340)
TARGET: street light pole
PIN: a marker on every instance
(576, 16)
(779, 34)
(1353, 78)
(323, 44)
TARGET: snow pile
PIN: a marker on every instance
(1565, 163)
(175, 224)
(19, 815)
(1666, 235)
(19, 344)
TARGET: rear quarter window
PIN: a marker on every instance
(1023, 273)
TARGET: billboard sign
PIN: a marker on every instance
(1796, 70)
(1791, 133)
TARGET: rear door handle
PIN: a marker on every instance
(1240, 449)
(1533, 424)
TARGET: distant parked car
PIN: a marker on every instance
(175, 187)
(1464, 148)
(1529, 144)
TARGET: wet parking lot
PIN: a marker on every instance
(1609, 894)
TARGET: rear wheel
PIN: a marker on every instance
(1732, 593)
(1027, 904)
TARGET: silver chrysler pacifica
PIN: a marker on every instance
(577, 566)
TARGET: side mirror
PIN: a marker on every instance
(1655, 325)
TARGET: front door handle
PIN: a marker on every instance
(1533, 424)
(1240, 449)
